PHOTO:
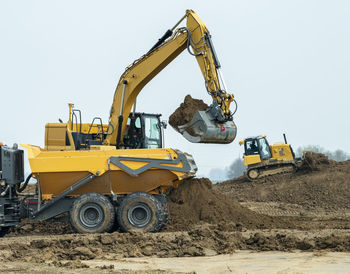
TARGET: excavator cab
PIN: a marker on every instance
(143, 130)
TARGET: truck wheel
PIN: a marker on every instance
(165, 210)
(3, 230)
(92, 213)
(140, 211)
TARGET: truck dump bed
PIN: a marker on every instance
(116, 171)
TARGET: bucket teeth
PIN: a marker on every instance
(203, 128)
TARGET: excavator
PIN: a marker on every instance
(102, 176)
(264, 160)
(215, 125)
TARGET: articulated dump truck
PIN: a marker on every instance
(96, 191)
(103, 176)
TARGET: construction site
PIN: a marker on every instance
(307, 211)
(114, 197)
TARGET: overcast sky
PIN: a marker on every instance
(286, 62)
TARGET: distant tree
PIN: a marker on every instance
(217, 175)
(338, 155)
(314, 148)
(236, 169)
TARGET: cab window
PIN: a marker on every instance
(251, 147)
(265, 152)
(152, 132)
(137, 122)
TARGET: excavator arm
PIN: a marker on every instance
(196, 38)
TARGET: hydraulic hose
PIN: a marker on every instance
(235, 108)
(21, 188)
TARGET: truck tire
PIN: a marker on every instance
(165, 210)
(92, 213)
(3, 230)
(141, 212)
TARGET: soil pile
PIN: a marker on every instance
(185, 112)
(206, 240)
(321, 183)
(315, 161)
(195, 201)
(41, 228)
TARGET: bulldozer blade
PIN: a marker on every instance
(204, 129)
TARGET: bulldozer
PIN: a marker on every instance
(101, 176)
(262, 159)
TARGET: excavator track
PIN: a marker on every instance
(255, 173)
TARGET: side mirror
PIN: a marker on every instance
(163, 124)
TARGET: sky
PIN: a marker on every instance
(286, 62)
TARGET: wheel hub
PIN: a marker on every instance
(91, 215)
(253, 174)
(139, 215)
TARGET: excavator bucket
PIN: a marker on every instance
(203, 128)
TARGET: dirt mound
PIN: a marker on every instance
(321, 183)
(184, 113)
(198, 242)
(41, 228)
(315, 161)
(204, 240)
(195, 202)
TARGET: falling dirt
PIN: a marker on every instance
(185, 112)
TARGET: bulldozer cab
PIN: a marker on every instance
(257, 146)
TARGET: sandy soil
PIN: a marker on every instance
(239, 262)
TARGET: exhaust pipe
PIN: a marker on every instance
(285, 138)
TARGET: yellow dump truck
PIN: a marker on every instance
(99, 176)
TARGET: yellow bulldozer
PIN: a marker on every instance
(117, 174)
(262, 159)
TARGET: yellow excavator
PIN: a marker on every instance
(117, 174)
(264, 160)
(215, 125)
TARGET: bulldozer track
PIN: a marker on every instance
(256, 173)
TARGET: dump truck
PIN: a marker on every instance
(102, 176)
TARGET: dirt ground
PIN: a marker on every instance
(301, 218)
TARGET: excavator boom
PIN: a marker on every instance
(214, 125)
